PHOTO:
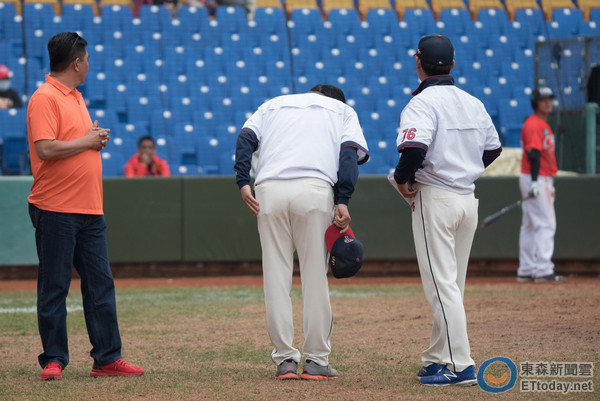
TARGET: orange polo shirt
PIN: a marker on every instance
(72, 184)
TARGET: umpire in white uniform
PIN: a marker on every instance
(309, 148)
(446, 139)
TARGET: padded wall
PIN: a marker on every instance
(189, 219)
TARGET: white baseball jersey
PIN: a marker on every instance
(454, 129)
(283, 125)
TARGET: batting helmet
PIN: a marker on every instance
(539, 93)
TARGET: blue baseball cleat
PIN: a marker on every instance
(445, 377)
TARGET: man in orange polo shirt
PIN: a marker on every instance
(65, 206)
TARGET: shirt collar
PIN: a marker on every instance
(434, 80)
(64, 89)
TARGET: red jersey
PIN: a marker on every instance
(537, 134)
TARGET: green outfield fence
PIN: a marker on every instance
(193, 219)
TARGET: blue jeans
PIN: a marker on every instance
(65, 240)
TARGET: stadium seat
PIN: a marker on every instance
(56, 5)
(402, 5)
(382, 21)
(92, 3)
(422, 20)
(153, 18)
(330, 5)
(269, 4)
(586, 7)
(477, 6)
(494, 21)
(512, 6)
(270, 20)
(232, 19)
(457, 22)
(15, 155)
(512, 114)
(548, 6)
(438, 5)
(292, 5)
(15, 4)
(364, 6)
(113, 163)
(571, 19)
(344, 21)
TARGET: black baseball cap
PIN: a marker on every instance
(345, 252)
(435, 50)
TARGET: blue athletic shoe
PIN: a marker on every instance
(445, 377)
(429, 370)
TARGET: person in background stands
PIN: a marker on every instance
(145, 162)
(9, 98)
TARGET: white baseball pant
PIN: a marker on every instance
(444, 225)
(294, 215)
(538, 226)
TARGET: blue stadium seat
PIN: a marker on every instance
(306, 20)
(457, 22)
(422, 21)
(209, 151)
(570, 19)
(15, 155)
(270, 20)
(153, 18)
(113, 163)
(79, 18)
(511, 116)
(13, 123)
(532, 20)
(344, 21)
(382, 21)
(232, 19)
(494, 21)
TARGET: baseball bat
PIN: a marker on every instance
(495, 216)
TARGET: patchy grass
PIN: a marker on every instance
(212, 343)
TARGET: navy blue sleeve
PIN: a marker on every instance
(534, 156)
(410, 161)
(490, 155)
(347, 174)
(247, 143)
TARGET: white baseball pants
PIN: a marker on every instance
(294, 215)
(538, 226)
(444, 225)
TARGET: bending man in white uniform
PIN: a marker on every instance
(446, 140)
(308, 144)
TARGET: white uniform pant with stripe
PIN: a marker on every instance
(294, 215)
(538, 226)
(444, 224)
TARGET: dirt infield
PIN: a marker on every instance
(206, 339)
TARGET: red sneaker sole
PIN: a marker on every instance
(287, 376)
(95, 373)
(45, 378)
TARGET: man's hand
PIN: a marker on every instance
(249, 200)
(534, 189)
(97, 136)
(342, 217)
(406, 190)
(146, 158)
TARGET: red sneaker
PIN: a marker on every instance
(52, 371)
(117, 368)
